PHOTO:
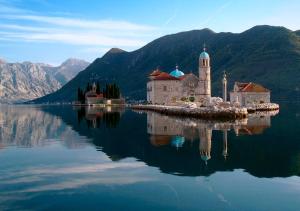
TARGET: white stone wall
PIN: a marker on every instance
(204, 77)
(169, 91)
(250, 98)
(164, 91)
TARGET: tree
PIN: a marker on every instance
(87, 87)
(80, 95)
(98, 90)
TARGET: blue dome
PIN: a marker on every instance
(204, 55)
(176, 73)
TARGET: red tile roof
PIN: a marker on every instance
(92, 94)
(155, 72)
(250, 87)
(165, 76)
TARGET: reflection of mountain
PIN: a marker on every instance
(263, 155)
(29, 126)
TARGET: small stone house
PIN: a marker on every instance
(248, 94)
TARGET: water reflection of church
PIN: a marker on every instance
(166, 130)
(94, 116)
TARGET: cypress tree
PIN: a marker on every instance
(87, 87)
(98, 88)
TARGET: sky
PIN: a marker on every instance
(51, 31)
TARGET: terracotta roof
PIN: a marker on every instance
(93, 95)
(165, 76)
(250, 87)
(155, 72)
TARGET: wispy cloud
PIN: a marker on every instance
(80, 23)
(72, 38)
(215, 13)
(71, 30)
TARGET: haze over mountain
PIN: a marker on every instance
(25, 81)
(264, 54)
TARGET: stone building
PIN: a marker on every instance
(248, 94)
(91, 97)
(167, 88)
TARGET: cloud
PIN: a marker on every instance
(80, 23)
(72, 31)
(73, 38)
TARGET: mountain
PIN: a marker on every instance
(67, 70)
(20, 82)
(263, 54)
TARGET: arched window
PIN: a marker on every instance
(203, 62)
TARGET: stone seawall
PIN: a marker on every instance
(263, 107)
(202, 112)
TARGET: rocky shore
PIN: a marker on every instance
(212, 112)
(263, 107)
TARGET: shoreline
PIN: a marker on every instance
(201, 113)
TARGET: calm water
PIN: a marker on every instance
(54, 157)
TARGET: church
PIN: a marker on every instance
(166, 88)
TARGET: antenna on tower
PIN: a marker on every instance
(204, 47)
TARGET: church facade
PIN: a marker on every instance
(166, 88)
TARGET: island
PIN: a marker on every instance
(94, 96)
(177, 93)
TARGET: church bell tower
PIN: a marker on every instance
(204, 74)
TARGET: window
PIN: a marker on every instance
(165, 128)
(203, 62)
(165, 88)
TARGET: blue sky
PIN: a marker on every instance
(51, 31)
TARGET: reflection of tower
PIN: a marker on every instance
(225, 153)
(224, 83)
(205, 143)
(204, 74)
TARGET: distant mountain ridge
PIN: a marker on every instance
(67, 70)
(268, 55)
(20, 82)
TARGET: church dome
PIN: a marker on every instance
(176, 73)
(204, 55)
